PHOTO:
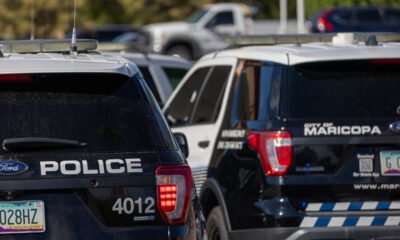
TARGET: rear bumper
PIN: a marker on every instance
(337, 233)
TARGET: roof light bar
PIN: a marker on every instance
(45, 45)
(274, 39)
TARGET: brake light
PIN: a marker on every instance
(15, 77)
(323, 23)
(174, 193)
(274, 149)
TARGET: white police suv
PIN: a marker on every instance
(295, 141)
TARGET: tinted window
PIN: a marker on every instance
(150, 82)
(345, 89)
(197, 16)
(392, 16)
(225, 18)
(257, 92)
(371, 15)
(181, 107)
(175, 75)
(108, 111)
(342, 15)
(211, 95)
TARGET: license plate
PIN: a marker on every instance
(390, 163)
(22, 217)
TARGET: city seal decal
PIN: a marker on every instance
(12, 167)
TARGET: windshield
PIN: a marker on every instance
(109, 112)
(345, 89)
(195, 17)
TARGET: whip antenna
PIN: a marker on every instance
(73, 48)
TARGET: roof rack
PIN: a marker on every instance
(46, 45)
(305, 38)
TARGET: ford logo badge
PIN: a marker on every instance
(12, 167)
(395, 127)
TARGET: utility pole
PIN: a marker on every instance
(300, 16)
(283, 16)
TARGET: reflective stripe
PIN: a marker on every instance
(308, 222)
(365, 221)
(313, 207)
(394, 205)
(336, 222)
(369, 205)
(350, 221)
(342, 206)
(353, 206)
(392, 221)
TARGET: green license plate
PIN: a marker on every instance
(22, 217)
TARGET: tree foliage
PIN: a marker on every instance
(52, 18)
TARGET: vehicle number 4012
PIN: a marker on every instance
(128, 205)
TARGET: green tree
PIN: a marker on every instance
(52, 18)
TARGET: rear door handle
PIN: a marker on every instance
(204, 144)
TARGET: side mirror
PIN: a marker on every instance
(182, 142)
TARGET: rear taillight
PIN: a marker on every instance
(274, 149)
(323, 23)
(174, 193)
(15, 78)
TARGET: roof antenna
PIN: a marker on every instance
(73, 50)
(32, 19)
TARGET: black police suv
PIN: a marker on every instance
(87, 154)
(296, 141)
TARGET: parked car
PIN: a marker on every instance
(162, 73)
(86, 152)
(295, 141)
(356, 19)
(202, 32)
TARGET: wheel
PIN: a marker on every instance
(216, 228)
(180, 50)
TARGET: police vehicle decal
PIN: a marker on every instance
(236, 134)
(351, 221)
(329, 129)
(353, 206)
(76, 167)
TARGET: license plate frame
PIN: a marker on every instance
(390, 163)
(31, 211)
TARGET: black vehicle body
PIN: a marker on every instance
(105, 186)
(356, 19)
(329, 125)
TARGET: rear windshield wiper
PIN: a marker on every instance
(37, 142)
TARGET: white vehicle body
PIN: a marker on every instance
(202, 34)
(55, 63)
(202, 137)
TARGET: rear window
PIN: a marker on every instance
(368, 15)
(345, 89)
(110, 112)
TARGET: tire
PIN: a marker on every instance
(180, 50)
(216, 228)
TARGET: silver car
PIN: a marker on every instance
(162, 73)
